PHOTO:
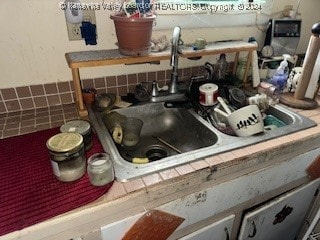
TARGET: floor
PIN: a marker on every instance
(28, 121)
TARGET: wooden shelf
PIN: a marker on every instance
(83, 59)
(109, 57)
(113, 57)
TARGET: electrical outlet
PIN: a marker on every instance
(74, 31)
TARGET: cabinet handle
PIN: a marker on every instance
(282, 215)
(254, 232)
(227, 233)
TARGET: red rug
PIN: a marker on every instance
(29, 192)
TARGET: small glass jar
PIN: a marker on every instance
(67, 156)
(100, 169)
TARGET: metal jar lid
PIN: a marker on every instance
(65, 142)
(79, 126)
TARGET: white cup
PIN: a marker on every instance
(246, 121)
(208, 94)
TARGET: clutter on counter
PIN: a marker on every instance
(68, 154)
(159, 44)
(32, 192)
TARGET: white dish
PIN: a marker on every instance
(246, 121)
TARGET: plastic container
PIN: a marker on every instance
(237, 97)
(208, 94)
(222, 66)
(82, 127)
(131, 128)
(100, 169)
(271, 91)
(241, 68)
(261, 100)
(272, 69)
(268, 89)
(67, 156)
(280, 78)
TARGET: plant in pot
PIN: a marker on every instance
(133, 25)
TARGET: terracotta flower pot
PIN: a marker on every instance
(133, 34)
(89, 95)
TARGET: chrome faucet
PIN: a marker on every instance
(173, 88)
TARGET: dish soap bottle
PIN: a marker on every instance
(279, 79)
(222, 66)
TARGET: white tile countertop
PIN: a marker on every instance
(150, 191)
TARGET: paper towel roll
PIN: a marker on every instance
(255, 69)
(313, 85)
(308, 65)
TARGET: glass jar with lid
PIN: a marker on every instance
(67, 156)
(82, 127)
(100, 169)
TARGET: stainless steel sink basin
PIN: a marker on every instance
(186, 131)
(175, 126)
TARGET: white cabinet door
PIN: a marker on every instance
(281, 218)
(219, 230)
(116, 230)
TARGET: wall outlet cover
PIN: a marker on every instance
(73, 29)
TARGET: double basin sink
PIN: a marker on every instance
(175, 136)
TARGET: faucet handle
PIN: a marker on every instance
(180, 43)
(154, 89)
(141, 92)
(210, 70)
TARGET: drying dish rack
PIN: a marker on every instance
(314, 236)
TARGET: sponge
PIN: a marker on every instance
(141, 160)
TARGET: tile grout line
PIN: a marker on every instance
(18, 98)
(19, 127)
(33, 123)
(59, 93)
(5, 105)
(4, 126)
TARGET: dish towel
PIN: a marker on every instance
(88, 32)
(29, 191)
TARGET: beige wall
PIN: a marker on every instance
(34, 40)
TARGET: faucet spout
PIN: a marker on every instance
(175, 43)
(174, 59)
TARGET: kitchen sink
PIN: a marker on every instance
(166, 132)
(175, 136)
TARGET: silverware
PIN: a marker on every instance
(224, 105)
(167, 144)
